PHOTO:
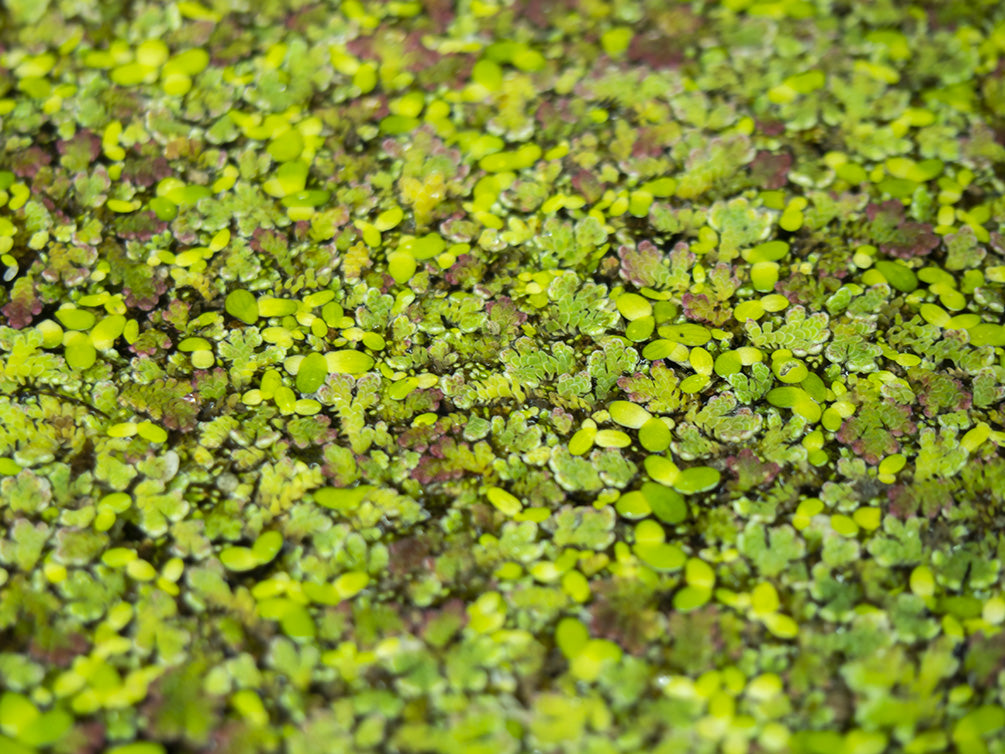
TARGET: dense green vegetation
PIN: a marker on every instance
(497, 376)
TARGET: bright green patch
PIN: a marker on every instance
(242, 305)
(697, 479)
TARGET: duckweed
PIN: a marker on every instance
(611, 438)
(697, 479)
(271, 306)
(686, 334)
(662, 470)
(898, 275)
(770, 251)
(242, 305)
(694, 383)
(640, 329)
(661, 557)
(728, 363)
(582, 441)
(985, 334)
(507, 503)
(402, 266)
(348, 362)
(79, 350)
(150, 431)
(343, 500)
(75, 319)
(701, 361)
(764, 276)
(629, 414)
(633, 307)
(654, 435)
(238, 558)
(312, 372)
(355, 358)
(666, 503)
(633, 505)
(664, 349)
(267, 546)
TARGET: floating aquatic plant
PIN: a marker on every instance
(529, 376)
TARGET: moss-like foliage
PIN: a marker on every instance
(502, 376)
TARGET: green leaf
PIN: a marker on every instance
(666, 503)
(79, 351)
(352, 363)
(267, 546)
(242, 305)
(239, 559)
(47, 728)
(16, 713)
(697, 479)
(312, 372)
